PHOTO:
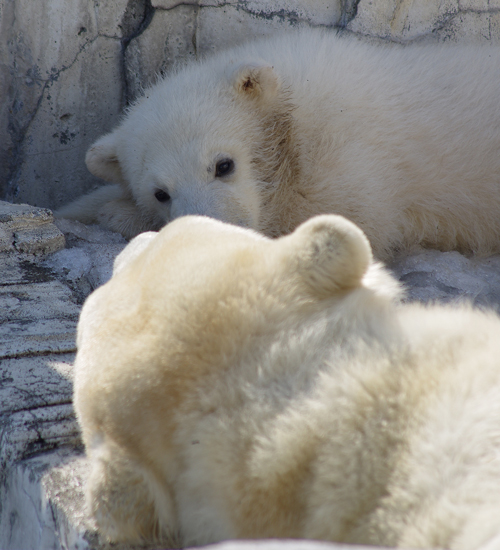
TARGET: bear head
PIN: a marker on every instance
(187, 307)
(215, 139)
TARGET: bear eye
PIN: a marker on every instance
(161, 195)
(224, 167)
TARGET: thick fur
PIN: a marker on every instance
(233, 386)
(402, 140)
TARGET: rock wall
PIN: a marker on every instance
(68, 68)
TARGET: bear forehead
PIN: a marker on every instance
(185, 105)
(204, 237)
(192, 255)
(181, 111)
(177, 147)
(202, 277)
(197, 290)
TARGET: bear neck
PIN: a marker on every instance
(284, 204)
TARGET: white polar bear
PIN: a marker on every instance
(404, 141)
(233, 386)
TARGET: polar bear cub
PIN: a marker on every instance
(403, 141)
(233, 386)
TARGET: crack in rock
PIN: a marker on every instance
(348, 11)
(283, 15)
(147, 16)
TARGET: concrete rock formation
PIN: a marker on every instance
(39, 308)
(28, 229)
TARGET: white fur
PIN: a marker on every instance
(402, 140)
(233, 386)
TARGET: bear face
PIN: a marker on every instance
(227, 175)
(201, 301)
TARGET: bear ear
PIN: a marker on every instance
(102, 159)
(330, 253)
(256, 81)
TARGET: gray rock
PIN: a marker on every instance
(28, 229)
(254, 19)
(38, 489)
(167, 40)
(61, 85)
(431, 276)
(37, 318)
(87, 262)
(36, 416)
(455, 20)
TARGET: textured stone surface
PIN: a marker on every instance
(468, 20)
(61, 86)
(253, 19)
(87, 261)
(36, 318)
(38, 315)
(45, 507)
(167, 39)
(449, 277)
(27, 229)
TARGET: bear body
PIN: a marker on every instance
(402, 140)
(229, 385)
